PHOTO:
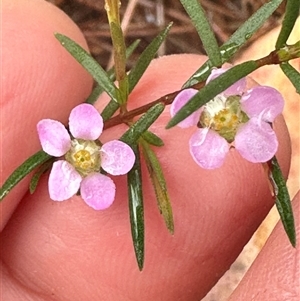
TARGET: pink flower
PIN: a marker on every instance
(237, 116)
(83, 158)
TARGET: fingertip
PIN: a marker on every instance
(213, 210)
(275, 273)
(40, 79)
(215, 213)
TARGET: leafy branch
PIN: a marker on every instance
(138, 135)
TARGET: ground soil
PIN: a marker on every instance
(144, 19)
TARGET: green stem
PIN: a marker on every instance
(284, 54)
(112, 9)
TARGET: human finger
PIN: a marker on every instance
(215, 213)
(275, 273)
(39, 79)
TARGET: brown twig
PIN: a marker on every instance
(272, 58)
(129, 115)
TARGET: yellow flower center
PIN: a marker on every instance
(83, 159)
(84, 155)
(225, 118)
(223, 115)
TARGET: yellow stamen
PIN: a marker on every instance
(83, 159)
(225, 118)
(223, 115)
(84, 155)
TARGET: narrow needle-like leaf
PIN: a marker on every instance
(152, 139)
(290, 17)
(146, 57)
(120, 60)
(37, 175)
(251, 25)
(136, 208)
(98, 90)
(141, 125)
(112, 106)
(206, 34)
(292, 74)
(212, 89)
(282, 200)
(91, 65)
(237, 40)
(29, 165)
(109, 110)
(159, 184)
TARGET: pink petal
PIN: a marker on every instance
(54, 137)
(264, 101)
(208, 148)
(98, 191)
(85, 122)
(64, 181)
(236, 89)
(256, 141)
(117, 158)
(180, 100)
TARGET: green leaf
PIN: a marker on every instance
(212, 89)
(132, 47)
(291, 14)
(251, 25)
(120, 60)
(206, 34)
(159, 184)
(109, 110)
(237, 40)
(119, 49)
(152, 139)
(37, 175)
(91, 65)
(145, 58)
(136, 207)
(112, 106)
(30, 164)
(292, 74)
(199, 76)
(282, 200)
(142, 124)
(98, 90)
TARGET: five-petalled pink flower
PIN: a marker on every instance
(236, 117)
(84, 156)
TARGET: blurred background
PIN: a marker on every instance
(144, 19)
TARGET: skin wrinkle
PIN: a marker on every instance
(285, 292)
(291, 291)
(296, 264)
(25, 277)
(170, 249)
(20, 289)
(226, 241)
(38, 289)
(281, 272)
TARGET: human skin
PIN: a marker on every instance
(60, 251)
